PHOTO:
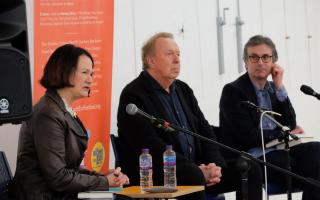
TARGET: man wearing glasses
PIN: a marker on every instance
(240, 126)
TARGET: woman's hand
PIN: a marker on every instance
(116, 178)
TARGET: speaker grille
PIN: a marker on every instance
(15, 87)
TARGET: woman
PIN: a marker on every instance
(52, 143)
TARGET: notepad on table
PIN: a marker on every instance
(280, 144)
(107, 194)
(160, 189)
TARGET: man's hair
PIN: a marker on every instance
(148, 47)
(258, 40)
(61, 65)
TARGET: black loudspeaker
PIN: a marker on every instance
(15, 84)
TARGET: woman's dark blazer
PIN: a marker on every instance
(51, 148)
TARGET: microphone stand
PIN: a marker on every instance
(165, 125)
(285, 137)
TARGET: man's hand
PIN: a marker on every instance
(277, 76)
(297, 130)
(212, 173)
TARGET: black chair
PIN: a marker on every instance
(5, 176)
(277, 189)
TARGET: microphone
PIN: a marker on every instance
(309, 91)
(132, 109)
(249, 104)
(284, 129)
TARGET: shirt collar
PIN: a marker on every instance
(267, 87)
(69, 109)
(156, 86)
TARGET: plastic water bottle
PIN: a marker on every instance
(145, 163)
(169, 167)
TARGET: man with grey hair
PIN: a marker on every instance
(240, 126)
(158, 92)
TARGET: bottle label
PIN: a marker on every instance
(169, 169)
(145, 164)
(169, 160)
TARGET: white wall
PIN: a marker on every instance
(285, 21)
(292, 24)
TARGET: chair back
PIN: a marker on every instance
(276, 189)
(5, 176)
(115, 146)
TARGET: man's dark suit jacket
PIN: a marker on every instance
(239, 125)
(136, 132)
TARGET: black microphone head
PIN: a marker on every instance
(307, 90)
(131, 109)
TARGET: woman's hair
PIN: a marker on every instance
(61, 65)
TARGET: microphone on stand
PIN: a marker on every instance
(250, 105)
(309, 91)
(283, 128)
(132, 109)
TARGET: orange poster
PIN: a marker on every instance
(89, 24)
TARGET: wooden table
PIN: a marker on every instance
(134, 192)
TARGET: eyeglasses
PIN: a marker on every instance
(264, 58)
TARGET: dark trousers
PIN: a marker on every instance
(304, 161)
(230, 181)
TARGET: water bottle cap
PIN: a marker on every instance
(168, 147)
(145, 150)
